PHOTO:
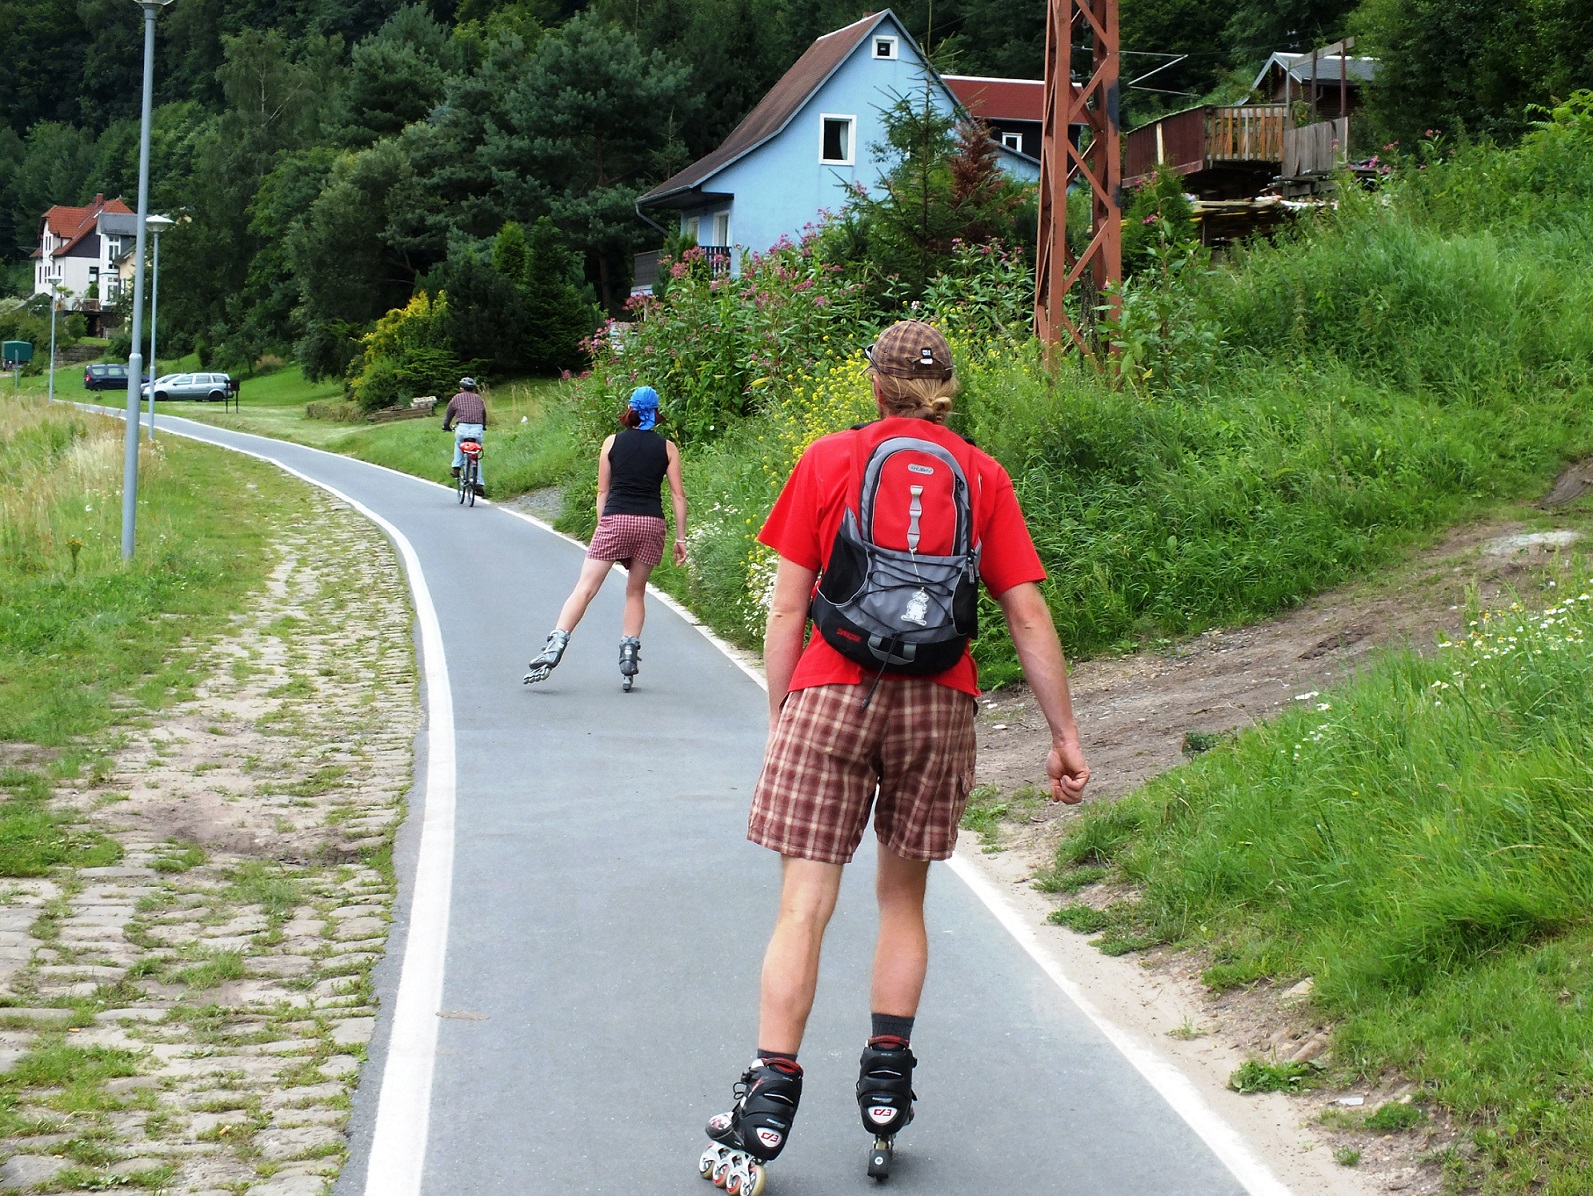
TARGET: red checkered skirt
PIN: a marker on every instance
(628, 539)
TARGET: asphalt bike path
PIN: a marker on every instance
(571, 985)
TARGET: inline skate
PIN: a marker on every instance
(548, 659)
(885, 1098)
(630, 661)
(755, 1129)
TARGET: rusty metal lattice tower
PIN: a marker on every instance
(1098, 165)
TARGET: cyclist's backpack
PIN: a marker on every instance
(901, 589)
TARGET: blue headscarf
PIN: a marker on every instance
(644, 401)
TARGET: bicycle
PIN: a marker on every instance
(470, 471)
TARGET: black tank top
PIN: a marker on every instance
(637, 463)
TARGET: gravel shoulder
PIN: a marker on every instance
(211, 992)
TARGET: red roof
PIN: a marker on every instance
(73, 224)
(999, 99)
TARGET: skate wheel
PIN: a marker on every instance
(755, 1181)
(879, 1160)
(627, 683)
(721, 1174)
(705, 1165)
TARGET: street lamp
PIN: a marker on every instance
(55, 303)
(135, 361)
(156, 225)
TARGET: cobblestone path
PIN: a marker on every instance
(193, 1019)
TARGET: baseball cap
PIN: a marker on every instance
(910, 349)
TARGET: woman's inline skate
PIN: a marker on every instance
(630, 661)
(755, 1129)
(885, 1098)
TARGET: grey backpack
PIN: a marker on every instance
(901, 589)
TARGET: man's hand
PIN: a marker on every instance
(1068, 772)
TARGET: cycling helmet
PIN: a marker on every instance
(467, 384)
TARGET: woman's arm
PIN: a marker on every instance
(602, 476)
(677, 493)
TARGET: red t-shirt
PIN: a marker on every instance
(808, 513)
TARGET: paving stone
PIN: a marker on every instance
(281, 965)
(353, 1031)
(134, 1166)
(361, 928)
(135, 1013)
(340, 1065)
(25, 1170)
(359, 911)
(290, 1185)
(279, 1144)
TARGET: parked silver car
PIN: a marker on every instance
(192, 386)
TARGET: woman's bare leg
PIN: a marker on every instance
(593, 574)
(636, 599)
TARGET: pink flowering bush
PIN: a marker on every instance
(717, 347)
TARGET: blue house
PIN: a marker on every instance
(804, 147)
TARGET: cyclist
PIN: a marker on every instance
(467, 417)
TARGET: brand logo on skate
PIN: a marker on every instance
(770, 1138)
(882, 1113)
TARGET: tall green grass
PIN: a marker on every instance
(1421, 844)
(80, 631)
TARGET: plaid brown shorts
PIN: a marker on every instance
(628, 539)
(827, 756)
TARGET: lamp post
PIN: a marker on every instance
(135, 361)
(55, 303)
(157, 225)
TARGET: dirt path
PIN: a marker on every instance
(1135, 713)
(206, 1003)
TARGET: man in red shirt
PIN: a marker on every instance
(909, 751)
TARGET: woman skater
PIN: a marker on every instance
(630, 529)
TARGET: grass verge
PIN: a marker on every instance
(1420, 843)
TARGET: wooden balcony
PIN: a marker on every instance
(1205, 138)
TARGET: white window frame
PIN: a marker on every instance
(721, 221)
(851, 139)
(1013, 142)
(891, 53)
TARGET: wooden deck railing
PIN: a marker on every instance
(1245, 133)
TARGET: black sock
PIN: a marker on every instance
(785, 1060)
(888, 1025)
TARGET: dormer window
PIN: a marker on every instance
(835, 146)
(1012, 141)
(885, 47)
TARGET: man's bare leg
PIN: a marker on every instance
(791, 964)
(901, 954)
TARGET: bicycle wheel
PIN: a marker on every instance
(464, 480)
(470, 490)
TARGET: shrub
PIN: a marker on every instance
(406, 354)
(714, 346)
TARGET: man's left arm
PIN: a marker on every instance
(1046, 670)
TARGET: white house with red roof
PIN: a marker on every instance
(78, 251)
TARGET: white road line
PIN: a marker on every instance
(1174, 1086)
(403, 1110)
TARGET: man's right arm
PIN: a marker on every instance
(1045, 669)
(787, 629)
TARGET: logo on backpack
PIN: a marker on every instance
(901, 589)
